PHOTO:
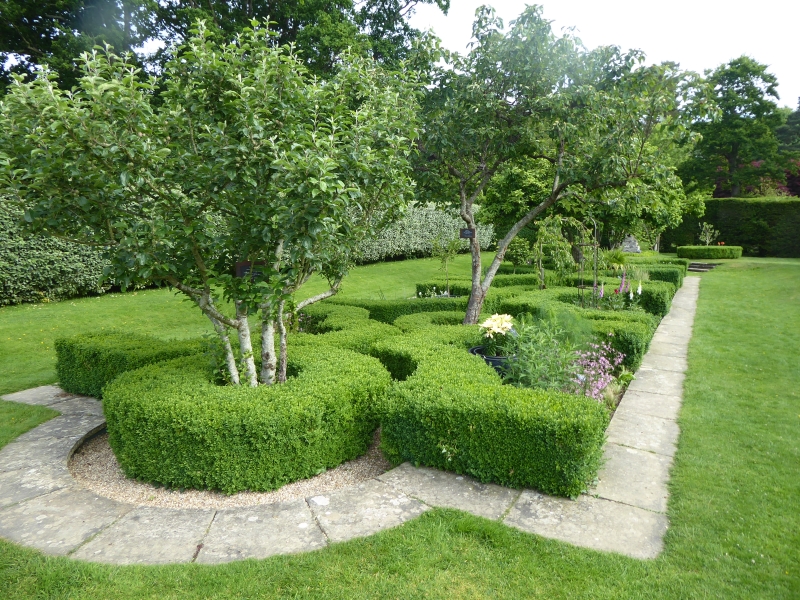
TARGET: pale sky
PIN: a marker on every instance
(699, 35)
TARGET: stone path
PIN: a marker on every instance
(43, 507)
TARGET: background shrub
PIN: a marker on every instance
(414, 234)
(41, 268)
(169, 425)
(761, 226)
(712, 252)
(86, 363)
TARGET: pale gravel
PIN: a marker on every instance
(94, 466)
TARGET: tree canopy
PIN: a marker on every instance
(739, 149)
(57, 31)
(588, 125)
(242, 157)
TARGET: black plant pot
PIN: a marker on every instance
(499, 363)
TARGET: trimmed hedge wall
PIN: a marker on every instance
(761, 226)
(450, 411)
(712, 252)
(169, 425)
(86, 363)
(386, 311)
(41, 268)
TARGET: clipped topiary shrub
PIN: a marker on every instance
(450, 411)
(386, 311)
(86, 363)
(710, 252)
(169, 425)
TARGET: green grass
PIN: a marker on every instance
(27, 332)
(735, 527)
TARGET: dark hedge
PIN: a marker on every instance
(712, 252)
(761, 226)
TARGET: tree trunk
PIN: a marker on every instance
(246, 345)
(477, 295)
(269, 360)
(230, 359)
(283, 361)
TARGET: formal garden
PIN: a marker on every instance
(268, 266)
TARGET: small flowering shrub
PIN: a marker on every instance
(620, 298)
(496, 331)
(595, 368)
(545, 355)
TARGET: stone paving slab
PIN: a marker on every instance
(79, 405)
(644, 432)
(58, 522)
(261, 531)
(661, 348)
(362, 510)
(23, 484)
(658, 381)
(41, 396)
(151, 536)
(646, 403)
(634, 477)
(75, 426)
(664, 363)
(37, 453)
(441, 488)
(591, 523)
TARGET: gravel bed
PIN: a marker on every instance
(95, 467)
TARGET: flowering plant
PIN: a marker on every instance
(495, 329)
(596, 369)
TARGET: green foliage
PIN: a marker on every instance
(738, 150)
(707, 233)
(519, 253)
(541, 356)
(761, 226)
(340, 326)
(236, 154)
(657, 259)
(87, 363)
(169, 425)
(413, 235)
(416, 321)
(387, 311)
(41, 268)
(710, 251)
(450, 411)
(658, 272)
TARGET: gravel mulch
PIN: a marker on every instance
(95, 467)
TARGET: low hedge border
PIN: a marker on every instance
(660, 260)
(86, 363)
(387, 311)
(169, 425)
(450, 411)
(712, 252)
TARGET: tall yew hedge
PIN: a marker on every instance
(761, 226)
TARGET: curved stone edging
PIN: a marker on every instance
(43, 507)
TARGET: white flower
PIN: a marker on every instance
(499, 324)
(631, 296)
(639, 289)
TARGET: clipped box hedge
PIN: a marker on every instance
(169, 425)
(386, 311)
(450, 411)
(86, 363)
(341, 326)
(710, 252)
(673, 261)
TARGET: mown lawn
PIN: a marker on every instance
(735, 524)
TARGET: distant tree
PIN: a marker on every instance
(739, 148)
(57, 31)
(789, 139)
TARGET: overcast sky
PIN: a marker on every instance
(699, 34)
